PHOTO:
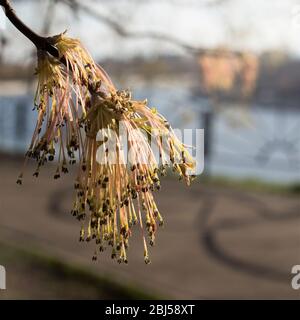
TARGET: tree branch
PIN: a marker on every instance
(41, 43)
(119, 29)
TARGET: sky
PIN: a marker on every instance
(253, 25)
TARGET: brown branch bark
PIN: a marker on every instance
(41, 43)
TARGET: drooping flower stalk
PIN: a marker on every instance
(80, 116)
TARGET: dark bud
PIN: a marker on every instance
(64, 169)
(81, 216)
(104, 207)
(110, 243)
(113, 255)
(167, 124)
(133, 194)
(147, 260)
(74, 213)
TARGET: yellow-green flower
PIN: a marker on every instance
(76, 101)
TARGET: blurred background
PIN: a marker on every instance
(231, 67)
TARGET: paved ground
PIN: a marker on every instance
(217, 243)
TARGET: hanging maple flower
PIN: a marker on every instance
(53, 104)
(115, 186)
(85, 72)
(62, 98)
(81, 112)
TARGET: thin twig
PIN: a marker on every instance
(41, 43)
(120, 30)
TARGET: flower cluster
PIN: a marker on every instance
(80, 114)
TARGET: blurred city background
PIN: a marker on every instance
(231, 67)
